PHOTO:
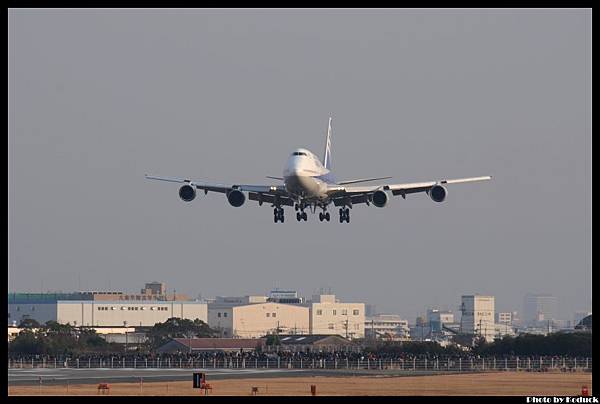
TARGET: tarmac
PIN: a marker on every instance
(115, 375)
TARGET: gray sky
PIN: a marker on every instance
(99, 98)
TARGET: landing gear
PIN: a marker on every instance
(301, 216)
(324, 216)
(344, 215)
(278, 215)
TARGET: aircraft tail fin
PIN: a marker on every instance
(327, 155)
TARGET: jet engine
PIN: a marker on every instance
(438, 193)
(380, 199)
(236, 198)
(187, 193)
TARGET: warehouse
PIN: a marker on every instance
(100, 313)
(255, 320)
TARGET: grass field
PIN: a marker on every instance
(501, 383)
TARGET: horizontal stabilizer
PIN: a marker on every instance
(275, 178)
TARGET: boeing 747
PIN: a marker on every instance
(309, 183)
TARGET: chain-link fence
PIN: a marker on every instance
(540, 364)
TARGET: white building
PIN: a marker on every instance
(504, 318)
(105, 313)
(255, 320)
(329, 316)
(437, 318)
(389, 327)
(478, 316)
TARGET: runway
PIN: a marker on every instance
(98, 375)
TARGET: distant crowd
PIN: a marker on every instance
(283, 357)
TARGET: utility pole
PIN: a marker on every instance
(346, 328)
(373, 329)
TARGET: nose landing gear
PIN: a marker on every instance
(344, 215)
(324, 216)
(301, 216)
(278, 215)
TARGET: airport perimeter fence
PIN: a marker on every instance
(414, 364)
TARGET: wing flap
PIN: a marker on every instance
(260, 197)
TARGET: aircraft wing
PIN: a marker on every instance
(342, 195)
(260, 193)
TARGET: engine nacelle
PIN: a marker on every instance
(380, 199)
(236, 198)
(187, 193)
(438, 193)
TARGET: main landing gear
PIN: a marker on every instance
(278, 215)
(301, 216)
(324, 216)
(344, 215)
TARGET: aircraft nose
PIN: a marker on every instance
(295, 165)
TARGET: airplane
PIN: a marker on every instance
(309, 183)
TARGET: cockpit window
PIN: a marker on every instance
(298, 153)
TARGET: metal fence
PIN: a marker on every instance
(442, 365)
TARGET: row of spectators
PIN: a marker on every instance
(281, 356)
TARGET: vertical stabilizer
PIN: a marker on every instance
(327, 155)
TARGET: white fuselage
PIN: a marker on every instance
(305, 176)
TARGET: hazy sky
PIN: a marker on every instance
(98, 98)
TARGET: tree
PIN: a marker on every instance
(29, 323)
(175, 327)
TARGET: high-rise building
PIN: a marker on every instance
(437, 318)
(539, 309)
(478, 316)
(370, 310)
(504, 317)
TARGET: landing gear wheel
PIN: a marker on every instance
(278, 215)
(344, 215)
(298, 217)
(321, 217)
(304, 216)
(326, 215)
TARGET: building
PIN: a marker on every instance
(211, 345)
(284, 296)
(478, 316)
(389, 327)
(154, 288)
(437, 319)
(538, 309)
(585, 324)
(72, 309)
(328, 316)
(580, 315)
(370, 310)
(503, 329)
(504, 318)
(313, 343)
(255, 317)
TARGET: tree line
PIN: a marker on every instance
(53, 338)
